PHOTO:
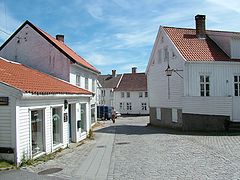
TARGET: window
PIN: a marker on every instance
(103, 93)
(37, 128)
(166, 54)
(129, 106)
(121, 106)
(128, 94)
(140, 94)
(93, 113)
(146, 94)
(158, 113)
(57, 125)
(159, 56)
(93, 85)
(86, 83)
(83, 117)
(144, 106)
(77, 80)
(122, 94)
(111, 93)
(236, 85)
(174, 115)
(204, 85)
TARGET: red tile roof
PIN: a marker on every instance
(59, 45)
(32, 81)
(133, 82)
(194, 49)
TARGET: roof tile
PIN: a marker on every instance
(133, 82)
(193, 48)
(32, 81)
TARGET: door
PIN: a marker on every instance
(236, 109)
(69, 121)
(236, 98)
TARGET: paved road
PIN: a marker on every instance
(130, 150)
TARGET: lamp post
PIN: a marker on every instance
(169, 72)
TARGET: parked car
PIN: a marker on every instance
(104, 112)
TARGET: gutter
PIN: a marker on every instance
(54, 96)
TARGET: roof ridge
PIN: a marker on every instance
(208, 30)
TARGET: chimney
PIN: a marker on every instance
(134, 70)
(60, 37)
(113, 73)
(200, 26)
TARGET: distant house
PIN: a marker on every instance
(131, 95)
(108, 84)
(194, 78)
(38, 112)
(35, 48)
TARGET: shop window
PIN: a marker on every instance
(37, 129)
(57, 125)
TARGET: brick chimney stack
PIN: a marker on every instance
(200, 26)
(60, 37)
(114, 73)
(134, 70)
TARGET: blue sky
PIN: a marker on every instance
(115, 34)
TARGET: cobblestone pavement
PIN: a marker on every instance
(130, 150)
(152, 153)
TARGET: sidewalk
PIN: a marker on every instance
(91, 160)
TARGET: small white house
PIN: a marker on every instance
(39, 113)
(31, 46)
(194, 78)
(131, 95)
(108, 84)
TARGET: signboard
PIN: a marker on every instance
(4, 101)
(65, 117)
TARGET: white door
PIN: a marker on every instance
(236, 109)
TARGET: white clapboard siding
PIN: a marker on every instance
(25, 107)
(6, 123)
(215, 105)
(159, 93)
(221, 77)
(135, 101)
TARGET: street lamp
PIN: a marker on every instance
(169, 71)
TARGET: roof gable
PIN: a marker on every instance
(64, 49)
(108, 81)
(32, 81)
(133, 82)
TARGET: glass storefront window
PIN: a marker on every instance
(93, 113)
(83, 117)
(37, 131)
(56, 125)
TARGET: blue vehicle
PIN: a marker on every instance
(104, 112)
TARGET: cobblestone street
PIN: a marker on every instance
(130, 150)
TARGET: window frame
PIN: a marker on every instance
(129, 106)
(204, 81)
(236, 85)
(78, 80)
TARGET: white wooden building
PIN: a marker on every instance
(39, 113)
(194, 78)
(108, 84)
(35, 48)
(131, 95)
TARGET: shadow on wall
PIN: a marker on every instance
(143, 130)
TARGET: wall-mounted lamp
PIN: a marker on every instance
(169, 71)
